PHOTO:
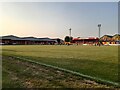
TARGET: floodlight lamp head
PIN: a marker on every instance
(99, 25)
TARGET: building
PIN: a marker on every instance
(59, 41)
(85, 41)
(14, 40)
(104, 40)
(110, 40)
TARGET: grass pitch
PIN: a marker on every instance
(31, 75)
(101, 62)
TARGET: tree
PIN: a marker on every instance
(67, 39)
(71, 38)
(58, 40)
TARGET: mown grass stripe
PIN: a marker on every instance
(99, 80)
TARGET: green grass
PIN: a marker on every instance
(101, 62)
(31, 75)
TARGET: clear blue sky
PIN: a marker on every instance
(50, 19)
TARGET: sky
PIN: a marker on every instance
(54, 19)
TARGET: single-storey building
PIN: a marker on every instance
(85, 41)
(14, 40)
